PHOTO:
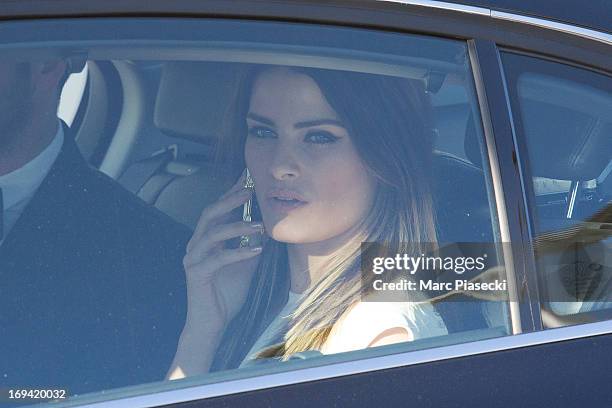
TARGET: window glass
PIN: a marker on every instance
(564, 116)
(364, 227)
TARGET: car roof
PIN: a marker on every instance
(593, 14)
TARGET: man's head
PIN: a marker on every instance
(29, 96)
(29, 92)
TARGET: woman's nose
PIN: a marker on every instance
(285, 163)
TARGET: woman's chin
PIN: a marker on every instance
(292, 234)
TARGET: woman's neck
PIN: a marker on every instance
(307, 261)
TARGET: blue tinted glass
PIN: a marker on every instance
(135, 249)
(564, 116)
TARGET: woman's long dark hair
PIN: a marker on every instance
(389, 122)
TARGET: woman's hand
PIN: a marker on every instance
(218, 278)
(211, 264)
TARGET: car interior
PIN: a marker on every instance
(568, 121)
(169, 147)
(526, 157)
(158, 123)
(153, 126)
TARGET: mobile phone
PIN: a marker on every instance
(250, 213)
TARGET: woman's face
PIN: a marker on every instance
(310, 183)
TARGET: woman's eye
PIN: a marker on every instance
(321, 137)
(261, 133)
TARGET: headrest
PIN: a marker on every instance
(192, 99)
(566, 125)
(564, 144)
(560, 146)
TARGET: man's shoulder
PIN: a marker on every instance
(111, 199)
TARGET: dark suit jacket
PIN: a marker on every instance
(92, 289)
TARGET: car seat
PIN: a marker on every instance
(179, 183)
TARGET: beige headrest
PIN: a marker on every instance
(192, 99)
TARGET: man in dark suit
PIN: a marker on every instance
(92, 289)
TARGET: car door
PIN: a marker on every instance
(492, 190)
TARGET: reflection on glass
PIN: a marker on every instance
(564, 115)
(351, 137)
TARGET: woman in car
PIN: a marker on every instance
(337, 159)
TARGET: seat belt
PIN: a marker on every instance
(138, 173)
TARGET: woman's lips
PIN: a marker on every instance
(285, 200)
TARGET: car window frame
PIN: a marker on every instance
(484, 44)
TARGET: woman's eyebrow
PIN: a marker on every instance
(318, 122)
(260, 118)
(299, 125)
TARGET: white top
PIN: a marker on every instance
(20, 185)
(366, 320)
(273, 329)
(362, 324)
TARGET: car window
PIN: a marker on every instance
(564, 116)
(364, 226)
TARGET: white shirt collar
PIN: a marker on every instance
(21, 184)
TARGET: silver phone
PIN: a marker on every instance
(247, 216)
